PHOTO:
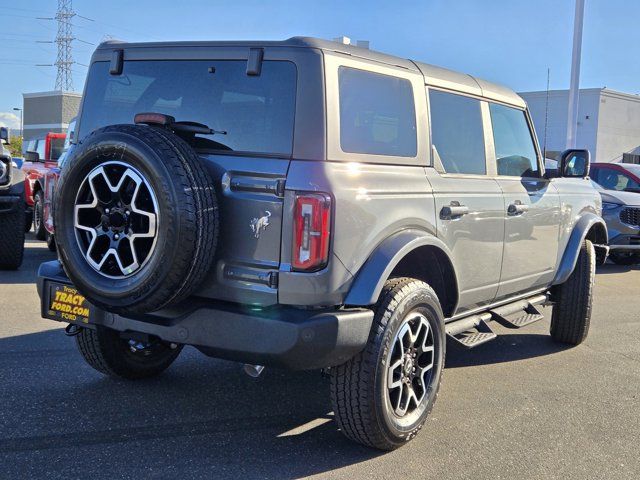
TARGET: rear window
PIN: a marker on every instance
(57, 147)
(256, 112)
(377, 114)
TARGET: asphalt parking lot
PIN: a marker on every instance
(520, 407)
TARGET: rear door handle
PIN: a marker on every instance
(517, 208)
(453, 211)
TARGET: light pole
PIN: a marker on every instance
(574, 88)
(21, 126)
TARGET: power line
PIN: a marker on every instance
(13, 15)
(3, 7)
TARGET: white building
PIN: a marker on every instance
(608, 122)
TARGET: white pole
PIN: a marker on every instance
(572, 117)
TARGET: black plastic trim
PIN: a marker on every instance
(9, 203)
(279, 336)
(254, 63)
(117, 61)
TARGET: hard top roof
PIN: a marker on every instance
(435, 76)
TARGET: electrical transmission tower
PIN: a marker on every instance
(64, 60)
(64, 39)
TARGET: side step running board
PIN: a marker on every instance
(474, 330)
(471, 331)
(519, 314)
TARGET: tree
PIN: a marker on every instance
(15, 147)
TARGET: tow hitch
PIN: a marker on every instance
(72, 330)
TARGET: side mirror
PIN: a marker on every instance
(31, 156)
(5, 136)
(575, 163)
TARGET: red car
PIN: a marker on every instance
(50, 182)
(41, 155)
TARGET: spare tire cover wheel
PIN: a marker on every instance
(142, 231)
(116, 219)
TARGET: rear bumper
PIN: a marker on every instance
(10, 203)
(279, 336)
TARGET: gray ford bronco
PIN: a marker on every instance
(312, 205)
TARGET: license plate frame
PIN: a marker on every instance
(63, 302)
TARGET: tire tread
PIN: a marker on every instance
(571, 316)
(12, 238)
(197, 210)
(38, 212)
(101, 351)
(353, 383)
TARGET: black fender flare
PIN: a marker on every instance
(372, 276)
(571, 251)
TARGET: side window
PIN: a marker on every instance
(456, 133)
(515, 150)
(612, 179)
(40, 144)
(377, 114)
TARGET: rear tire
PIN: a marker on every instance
(108, 353)
(571, 315)
(375, 403)
(12, 238)
(625, 258)
(38, 215)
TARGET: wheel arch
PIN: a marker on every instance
(38, 186)
(589, 227)
(410, 253)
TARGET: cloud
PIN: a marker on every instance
(10, 120)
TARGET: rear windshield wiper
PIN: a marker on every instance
(195, 128)
(185, 129)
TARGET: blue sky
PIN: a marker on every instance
(508, 41)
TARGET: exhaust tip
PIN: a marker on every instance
(253, 371)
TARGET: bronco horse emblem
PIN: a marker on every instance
(260, 224)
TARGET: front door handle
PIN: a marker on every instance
(517, 208)
(453, 211)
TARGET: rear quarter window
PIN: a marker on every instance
(377, 114)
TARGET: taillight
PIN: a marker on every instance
(311, 228)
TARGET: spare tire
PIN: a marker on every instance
(136, 218)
